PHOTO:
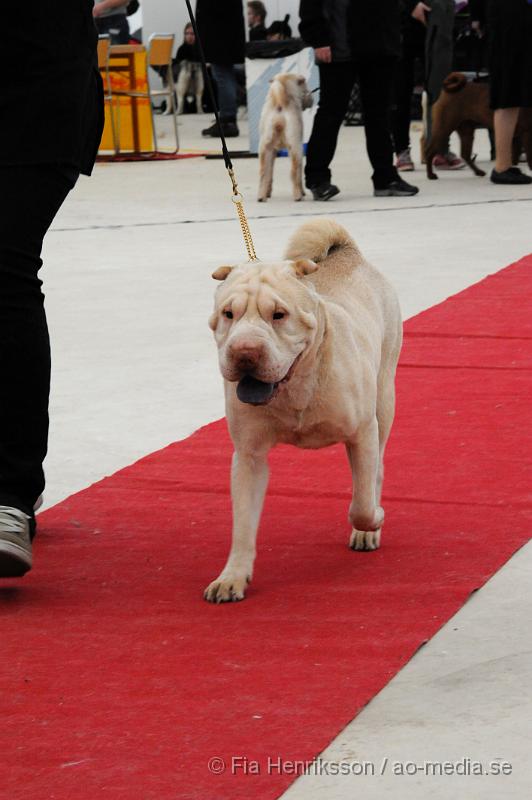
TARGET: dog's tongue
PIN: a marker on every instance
(250, 390)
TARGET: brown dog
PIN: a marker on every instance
(462, 107)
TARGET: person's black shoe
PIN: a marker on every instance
(324, 191)
(397, 188)
(229, 130)
(15, 542)
(510, 176)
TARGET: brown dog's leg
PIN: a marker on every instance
(466, 132)
(430, 151)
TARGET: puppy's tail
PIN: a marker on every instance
(317, 238)
(454, 82)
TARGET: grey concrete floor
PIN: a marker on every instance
(127, 278)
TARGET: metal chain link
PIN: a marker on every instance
(246, 233)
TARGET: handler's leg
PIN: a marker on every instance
(35, 194)
(365, 515)
(249, 479)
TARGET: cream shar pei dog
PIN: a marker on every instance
(308, 348)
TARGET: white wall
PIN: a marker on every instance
(170, 16)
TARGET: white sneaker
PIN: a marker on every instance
(15, 542)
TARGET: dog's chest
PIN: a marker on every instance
(310, 430)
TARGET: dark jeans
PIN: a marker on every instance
(116, 26)
(226, 87)
(33, 197)
(404, 86)
(375, 78)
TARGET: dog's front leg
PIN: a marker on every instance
(249, 479)
(365, 515)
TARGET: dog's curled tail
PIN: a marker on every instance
(316, 239)
(454, 82)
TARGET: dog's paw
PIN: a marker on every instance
(365, 540)
(261, 199)
(226, 588)
(432, 177)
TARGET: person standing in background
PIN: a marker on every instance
(509, 30)
(51, 105)
(426, 36)
(110, 17)
(256, 19)
(222, 34)
(353, 39)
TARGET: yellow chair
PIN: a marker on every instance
(160, 47)
(104, 48)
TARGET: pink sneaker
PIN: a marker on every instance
(448, 161)
(404, 161)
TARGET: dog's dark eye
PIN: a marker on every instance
(279, 315)
(228, 314)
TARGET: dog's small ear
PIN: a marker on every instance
(304, 266)
(221, 273)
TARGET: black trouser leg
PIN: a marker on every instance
(376, 83)
(404, 86)
(33, 196)
(336, 83)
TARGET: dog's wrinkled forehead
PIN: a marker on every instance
(259, 282)
(251, 278)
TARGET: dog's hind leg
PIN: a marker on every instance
(181, 91)
(199, 87)
(266, 161)
(365, 514)
(296, 174)
(466, 132)
(249, 480)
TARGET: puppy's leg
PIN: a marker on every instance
(365, 515)
(249, 479)
(466, 132)
(266, 161)
(296, 173)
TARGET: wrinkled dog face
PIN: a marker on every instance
(264, 318)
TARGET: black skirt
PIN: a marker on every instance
(510, 48)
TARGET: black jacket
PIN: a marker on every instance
(221, 30)
(51, 102)
(372, 27)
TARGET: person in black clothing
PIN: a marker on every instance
(188, 51)
(509, 29)
(221, 30)
(353, 39)
(413, 29)
(51, 105)
(256, 13)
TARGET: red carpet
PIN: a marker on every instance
(119, 681)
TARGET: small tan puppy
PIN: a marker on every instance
(308, 348)
(281, 126)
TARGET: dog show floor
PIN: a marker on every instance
(117, 679)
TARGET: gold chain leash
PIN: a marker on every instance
(246, 233)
